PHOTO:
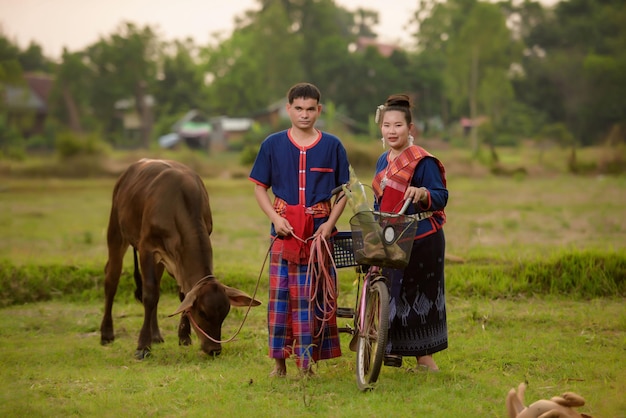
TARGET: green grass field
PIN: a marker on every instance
(500, 334)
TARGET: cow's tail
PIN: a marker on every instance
(137, 276)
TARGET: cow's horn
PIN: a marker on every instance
(186, 303)
(190, 297)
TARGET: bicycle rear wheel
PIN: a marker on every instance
(372, 340)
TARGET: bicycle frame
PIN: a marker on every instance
(362, 298)
(372, 325)
(371, 313)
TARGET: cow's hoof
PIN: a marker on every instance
(184, 341)
(105, 341)
(212, 352)
(142, 354)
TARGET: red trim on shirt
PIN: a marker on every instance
(293, 141)
(259, 183)
(302, 165)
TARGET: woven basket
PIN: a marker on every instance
(382, 239)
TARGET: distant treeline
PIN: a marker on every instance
(514, 70)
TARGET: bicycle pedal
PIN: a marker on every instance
(345, 313)
(392, 361)
(353, 342)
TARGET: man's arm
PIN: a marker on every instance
(281, 225)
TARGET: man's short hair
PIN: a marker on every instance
(304, 91)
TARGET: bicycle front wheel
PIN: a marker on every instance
(372, 337)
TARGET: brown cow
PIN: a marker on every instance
(161, 208)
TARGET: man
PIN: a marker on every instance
(302, 166)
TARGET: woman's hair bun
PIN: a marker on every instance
(399, 100)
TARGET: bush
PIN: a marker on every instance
(612, 161)
(11, 141)
(248, 155)
(69, 144)
(583, 275)
(33, 283)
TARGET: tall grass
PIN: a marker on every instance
(580, 275)
(577, 274)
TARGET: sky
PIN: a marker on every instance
(75, 24)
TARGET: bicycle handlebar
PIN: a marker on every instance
(336, 190)
(405, 206)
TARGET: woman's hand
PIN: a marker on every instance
(416, 194)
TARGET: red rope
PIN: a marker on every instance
(322, 282)
(256, 288)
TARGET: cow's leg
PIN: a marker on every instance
(150, 302)
(184, 327)
(154, 322)
(112, 271)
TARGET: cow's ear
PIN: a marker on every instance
(186, 304)
(239, 298)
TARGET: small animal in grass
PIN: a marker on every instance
(557, 407)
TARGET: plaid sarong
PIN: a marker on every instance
(291, 324)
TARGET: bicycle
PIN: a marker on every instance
(376, 240)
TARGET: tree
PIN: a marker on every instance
(477, 59)
(180, 86)
(365, 20)
(437, 22)
(10, 73)
(33, 60)
(10, 67)
(327, 31)
(70, 89)
(309, 40)
(256, 65)
(426, 70)
(125, 65)
(367, 82)
(576, 68)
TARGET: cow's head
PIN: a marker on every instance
(208, 304)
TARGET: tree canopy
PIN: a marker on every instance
(517, 64)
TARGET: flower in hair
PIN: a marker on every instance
(379, 109)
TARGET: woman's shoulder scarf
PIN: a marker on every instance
(394, 180)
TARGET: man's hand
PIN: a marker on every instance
(325, 230)
(282, 226)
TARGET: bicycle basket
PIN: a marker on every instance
(382, 239)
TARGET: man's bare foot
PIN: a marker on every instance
(280, 369)
(428, 362)
(278, 373)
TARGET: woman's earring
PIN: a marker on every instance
(411, 139)
(383, 140)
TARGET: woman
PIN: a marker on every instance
(418, 325)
